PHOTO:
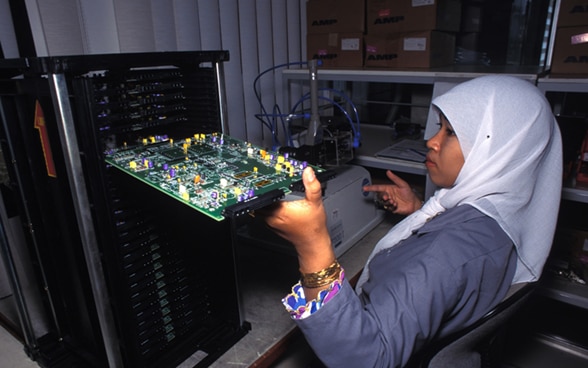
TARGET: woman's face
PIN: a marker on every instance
(444, 159)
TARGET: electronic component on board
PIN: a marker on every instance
(213, 173)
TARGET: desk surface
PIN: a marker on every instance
(267, 277)
(376, 138)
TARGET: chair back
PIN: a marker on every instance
(478, 344)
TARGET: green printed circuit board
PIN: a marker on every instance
(214, 173)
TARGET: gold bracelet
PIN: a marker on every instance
(322, 277)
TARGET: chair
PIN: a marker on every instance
(478, 345)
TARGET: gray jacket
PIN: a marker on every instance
(446, 276)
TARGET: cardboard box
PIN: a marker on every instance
(335, 16)
(382, 51)
(394, 16)
(570, 51)
(573, 13)
(471, 17)
(336, 50)
(426, 49)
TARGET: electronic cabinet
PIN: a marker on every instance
(127, 276)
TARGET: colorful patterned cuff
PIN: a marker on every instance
(299, 308)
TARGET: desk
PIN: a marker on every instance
(271, 326)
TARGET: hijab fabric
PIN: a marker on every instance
(512, 170)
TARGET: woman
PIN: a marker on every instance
(498, 165)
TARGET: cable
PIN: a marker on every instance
(269, 120)
(355, 128)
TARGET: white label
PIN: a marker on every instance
(422, 2)
(579, 38)
(415, 44)
(350, 44)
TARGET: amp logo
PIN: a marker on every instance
(323, 22)
(378, 57)
(576, 59)
(579, 9)
(389, 20)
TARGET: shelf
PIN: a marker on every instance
(559, 288)
(575, 194)
(562, 84)
(415, 76)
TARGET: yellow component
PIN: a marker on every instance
(186, 196)
(225, 195)
(146, 163)
(278, 167)
(197, 179)
(133, 165)
(171, 142)
(262, 153)
(188, 141)
(280, 159)
(144, 141)
(152, 139)
(185, 146)
(237, 191)
(255, 169)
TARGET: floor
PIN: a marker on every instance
(12, 354)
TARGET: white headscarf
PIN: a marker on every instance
(512, 170)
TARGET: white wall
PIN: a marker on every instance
(258, 34)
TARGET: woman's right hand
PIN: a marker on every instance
(398, 197)
(304, 224)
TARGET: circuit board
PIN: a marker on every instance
(214, 173)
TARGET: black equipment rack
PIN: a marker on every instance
(127, 277)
